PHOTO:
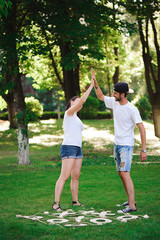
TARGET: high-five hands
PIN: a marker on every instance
(94, 78)
(93, 74)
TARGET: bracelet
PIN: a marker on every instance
(144, 150)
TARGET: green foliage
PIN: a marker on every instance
(33, 109)
(103, 115)
(4, 116)
(49, 114)
(90, 108)
(4, 6)
(99, 115)
(144, 107)
(54, 115)
(3, 104)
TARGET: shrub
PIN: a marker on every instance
(49, 114)
(3, 104)
(4, 116)
(33, 108)
(104, 115)
(90, 108)
(144, 107)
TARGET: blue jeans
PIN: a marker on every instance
(123, 157)
(70, 151)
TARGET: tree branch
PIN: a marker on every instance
(145, 59)
(149, 56)
(52, 59)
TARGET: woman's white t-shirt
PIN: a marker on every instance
(125, 118)
(73, 128)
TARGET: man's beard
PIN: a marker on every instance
(118, 99)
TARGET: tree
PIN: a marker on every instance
(146, 13)
(6, 93)
(75, 27)
(10, 75)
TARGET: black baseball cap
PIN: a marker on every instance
(122, 87)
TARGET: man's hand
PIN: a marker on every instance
(143, 156)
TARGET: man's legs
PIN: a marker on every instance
(123, 158)
(129, 187)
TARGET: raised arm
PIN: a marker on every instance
(81, 101)
(143, 155)
(98, 91)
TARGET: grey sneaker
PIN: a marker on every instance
(127, 210)
(125, 204)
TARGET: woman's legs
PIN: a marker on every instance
(67, 166)
(75, 173)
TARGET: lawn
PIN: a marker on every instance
(29, 190)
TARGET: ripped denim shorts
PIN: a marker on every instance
(123, 157)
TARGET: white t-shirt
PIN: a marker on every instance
(73, 128)
(125, 118)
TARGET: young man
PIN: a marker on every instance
(126, 116)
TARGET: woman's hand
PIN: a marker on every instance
(93, 74)
(92, 82)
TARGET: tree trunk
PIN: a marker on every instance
(23, 146)
(9, 98)
(116, 73)
(14, 76)
(152, 77)
(58, 105)
(23, 143)
(70, 77)
(76, 79)
(156, 114)
(11, 114)
(69, 84)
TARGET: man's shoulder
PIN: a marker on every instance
(107, 98)
(130, 105)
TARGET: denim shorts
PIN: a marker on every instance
(70, 151)
(123, 154)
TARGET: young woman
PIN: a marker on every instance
(71, 149)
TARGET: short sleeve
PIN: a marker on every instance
(109, 101)
(136, 116)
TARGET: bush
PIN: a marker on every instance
(104, 115)
(48, 115)
(3, 104)
(4, 116)
(90, 108)
(33, 108)
(144, 107)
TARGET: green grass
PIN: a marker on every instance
(27, 190)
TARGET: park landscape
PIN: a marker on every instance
(47, 50)
(28, 190)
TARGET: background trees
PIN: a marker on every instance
(147, 17)
(57, 42)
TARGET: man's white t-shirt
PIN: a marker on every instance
(72, 127)
(125, 118)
